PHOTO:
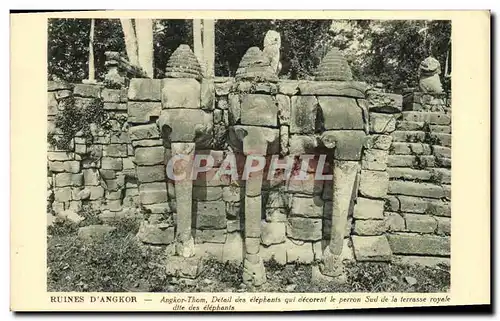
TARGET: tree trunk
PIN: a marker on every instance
(91, 52)
(144, 31)
(130, 41)
(209, 47)
(197, 43)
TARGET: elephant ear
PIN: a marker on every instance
(235, 137)
(240, 132)
(272, 37)
(207, 94)
(162, 120)
(162, 124)
(328, 140)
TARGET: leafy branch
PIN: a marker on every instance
(75, 121)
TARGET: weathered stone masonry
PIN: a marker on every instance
(390, 158)
(419, 167)
(101, 174)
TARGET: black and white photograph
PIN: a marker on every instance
(252, 155)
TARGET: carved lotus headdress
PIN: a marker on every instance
(430, 65)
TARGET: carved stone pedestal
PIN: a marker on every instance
(254, 272)
(318, 278)
(183, 267)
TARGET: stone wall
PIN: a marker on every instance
(96, 171)
(419, 167)
(390, 158)
(294, 118)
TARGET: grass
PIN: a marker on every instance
(120, 263)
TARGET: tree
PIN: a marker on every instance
(390, 51)
(130, 41)
(68, 50)
(68, 41)
(138, 35)
(303, 46)
(198, 39)
(233, 38)
(387, 51)
(167, 36)
(299, 40)
(91, 52)
(204, 45)
(209, 47)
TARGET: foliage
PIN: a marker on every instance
(418, 162)
(68, 41)
(386, 51)
(120, 263)
(127, 225)
(68, 46)
(389, 51)
(167, 36)
(436, 177)
(302, 46)
(114, 264)
(233, 38)
(111, 264)
(429, 138)
(62, 228)
(124, 225)
(299, 42)
(75, 121)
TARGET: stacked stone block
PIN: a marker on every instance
(433, 102)
(369, 226)
(213, 200)
(399, 207)
(227, 112)
(217, 200)
(311, 118)
(58, 197)
(254, 130)
(144, 107)
(117, 167)
(333, 126)
(418, 211)
(93, 171)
